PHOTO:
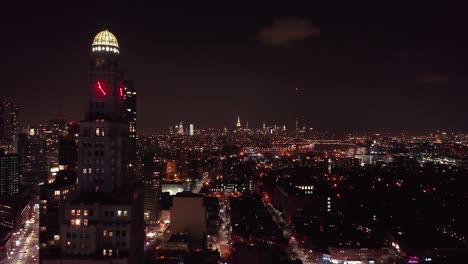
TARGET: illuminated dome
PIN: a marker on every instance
(105, 41)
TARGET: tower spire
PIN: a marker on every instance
(238, 122)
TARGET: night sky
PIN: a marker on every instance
(357, 69)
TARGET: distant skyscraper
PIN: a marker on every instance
(130, 115)
(238, 124)
(130, 106)
(8, 125)
(25, 150)
(192, 130)
(152, 170)
(104, 222)
(10, 174)
(57, 129)
(58, 126)
(181, 129)
(297, 109)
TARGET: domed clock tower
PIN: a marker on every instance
(104, 222)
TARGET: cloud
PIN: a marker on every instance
(287, 29)
(431, 77)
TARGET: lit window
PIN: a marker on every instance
(119, 213)
(78, 212)
(104, 233)
(104, 252)
(72, 222)
(85, 222)
(110, 252)
(78, 222)
(57, 192)
(56, 237)
(84, 171)
(100, 132)
(72, 212)
(85, 212)
(110, 233)
(125, 213)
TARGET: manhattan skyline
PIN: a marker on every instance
(355, 70)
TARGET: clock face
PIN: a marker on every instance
(121, 90)
(100, 88)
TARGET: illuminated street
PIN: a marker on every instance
(199, 184)
(295, 250)
(223, 243)
(25, 248)
(155, 233)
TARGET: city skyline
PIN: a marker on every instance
(355, 72)
(265, 134)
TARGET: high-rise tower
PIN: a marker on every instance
(104, 134)
(8, 125)
(130, 116)
(104, 222)
(10, 174)
(191, 130)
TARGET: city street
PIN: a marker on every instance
(155, 233)
(25, 249)
(199, 184)
(223, 243)
(295, 250)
